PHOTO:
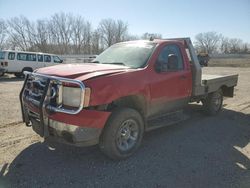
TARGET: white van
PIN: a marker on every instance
(17, 62)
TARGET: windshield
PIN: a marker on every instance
(2, 55)
(131, 54)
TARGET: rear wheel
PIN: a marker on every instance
(1, 74)
(213, 103)
(122, 134)
(19, 75)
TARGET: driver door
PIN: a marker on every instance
(170, 90)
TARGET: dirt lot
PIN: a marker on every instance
(229, 62)
(200, 152)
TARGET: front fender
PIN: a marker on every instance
(109, 88)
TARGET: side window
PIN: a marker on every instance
(47, 58)
(167, 51)
(31, 57)
(57, 59)
(11, 56)
(22, 56)
(40, 58)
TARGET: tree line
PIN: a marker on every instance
(69, 34)
(213, 42)
(64, 34)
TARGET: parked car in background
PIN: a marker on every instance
(17, 62)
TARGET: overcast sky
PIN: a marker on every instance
(171, 18)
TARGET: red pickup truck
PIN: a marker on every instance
(130, 88)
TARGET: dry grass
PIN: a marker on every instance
(229, 62)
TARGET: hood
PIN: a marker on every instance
(82, 71)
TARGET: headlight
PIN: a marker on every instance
(72, 96)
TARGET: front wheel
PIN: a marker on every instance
(213, 103)
(122, 134)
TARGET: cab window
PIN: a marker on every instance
(11, 55)
(47, 58)
(167, 51)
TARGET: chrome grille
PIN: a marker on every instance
(50, 87)
(34, 89)
(42, 95)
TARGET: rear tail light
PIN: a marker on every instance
(4, 64)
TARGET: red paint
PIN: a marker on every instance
(81, 71)
(86, 118)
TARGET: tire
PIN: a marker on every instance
(122, 134)
(1, 74)
(21, 74)
(18, 75)
(213, 103)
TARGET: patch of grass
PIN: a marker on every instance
(229, 62)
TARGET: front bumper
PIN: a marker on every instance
(81, 129)
(79, 132)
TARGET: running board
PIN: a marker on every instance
(166, 120)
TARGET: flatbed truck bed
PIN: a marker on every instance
(213, 82)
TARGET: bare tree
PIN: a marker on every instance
(69, 34)
(207, 42)
(107, 31)
(87, 38)
(235, 45)
(31, 34)
(95, 43)
(60, 27)
(245, 48)
(112, 31)
(81, 35)
(120, 31)
(21, 33)
(3, 34)
(224, 45)
(42, 39)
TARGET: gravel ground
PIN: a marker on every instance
(200, 152)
